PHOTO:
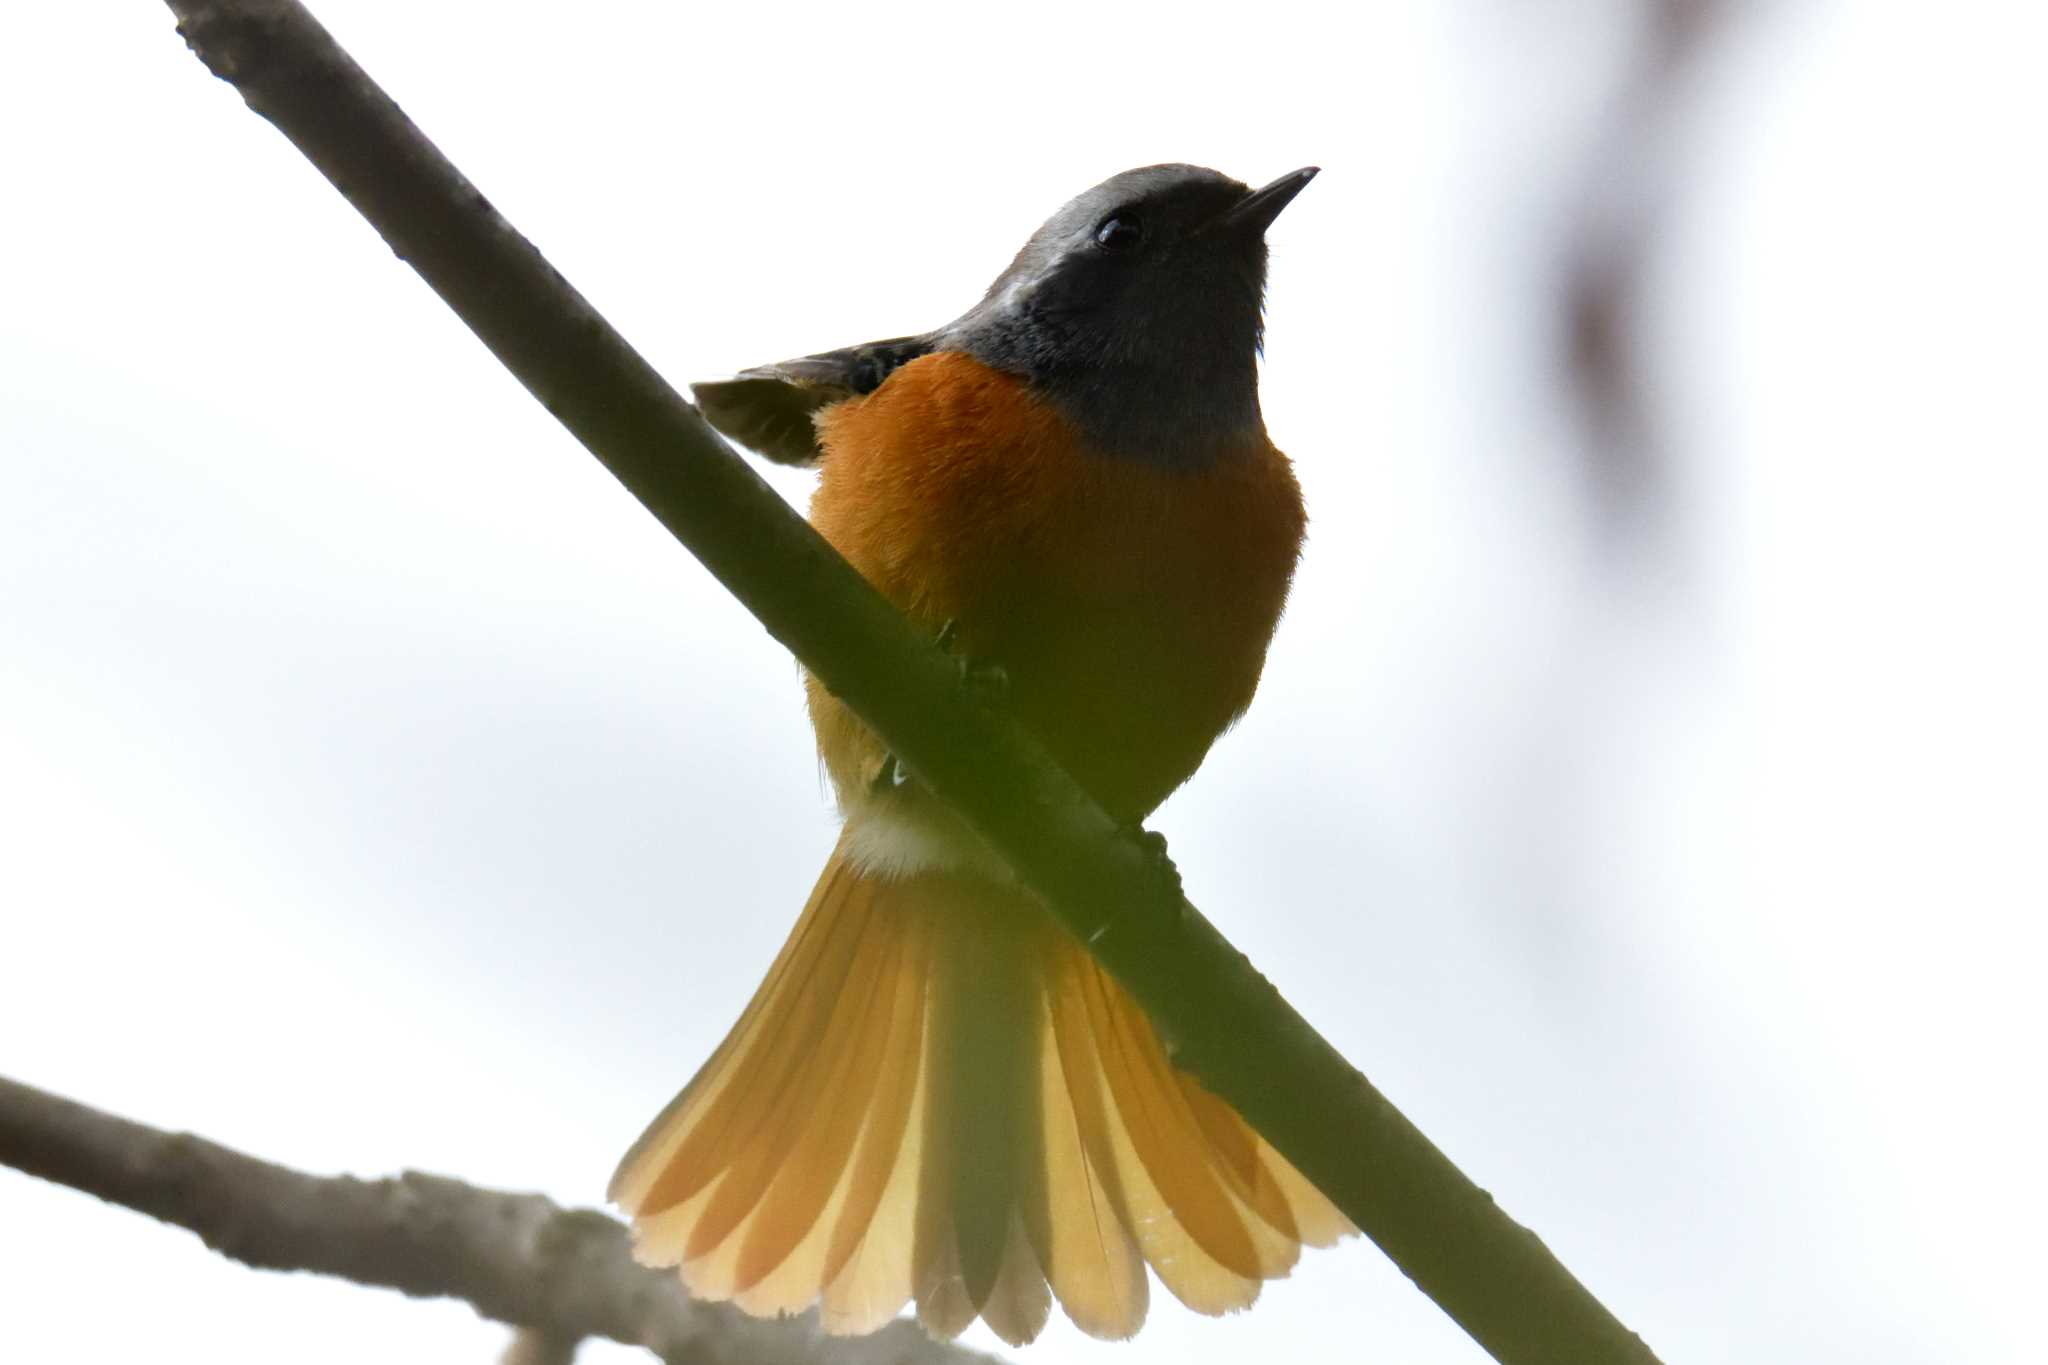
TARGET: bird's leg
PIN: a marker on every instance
(889, 775)
(1152, 846)
(988, 683)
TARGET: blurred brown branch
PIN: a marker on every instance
(559, 1274)
(1610, 241)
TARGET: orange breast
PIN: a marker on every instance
(1129, 603)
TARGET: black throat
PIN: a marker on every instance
(1172, 383)
(1178, 417)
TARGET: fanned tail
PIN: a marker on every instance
(935, 1095)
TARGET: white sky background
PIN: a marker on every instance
(380, 787)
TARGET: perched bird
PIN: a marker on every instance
(936, 1094)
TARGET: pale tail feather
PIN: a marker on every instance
(935, 1095)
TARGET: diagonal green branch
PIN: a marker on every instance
(1229, 1025)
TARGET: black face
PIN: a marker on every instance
(1136, 307)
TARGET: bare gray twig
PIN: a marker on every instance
(559, 1274)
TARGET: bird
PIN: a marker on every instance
(936, 1096)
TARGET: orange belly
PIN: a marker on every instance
(1129, 603)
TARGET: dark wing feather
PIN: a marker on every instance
(768, 409)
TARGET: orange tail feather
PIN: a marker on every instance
(935, 1095)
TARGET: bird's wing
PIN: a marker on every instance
(769, 408)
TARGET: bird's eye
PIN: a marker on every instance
(1120, 231)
